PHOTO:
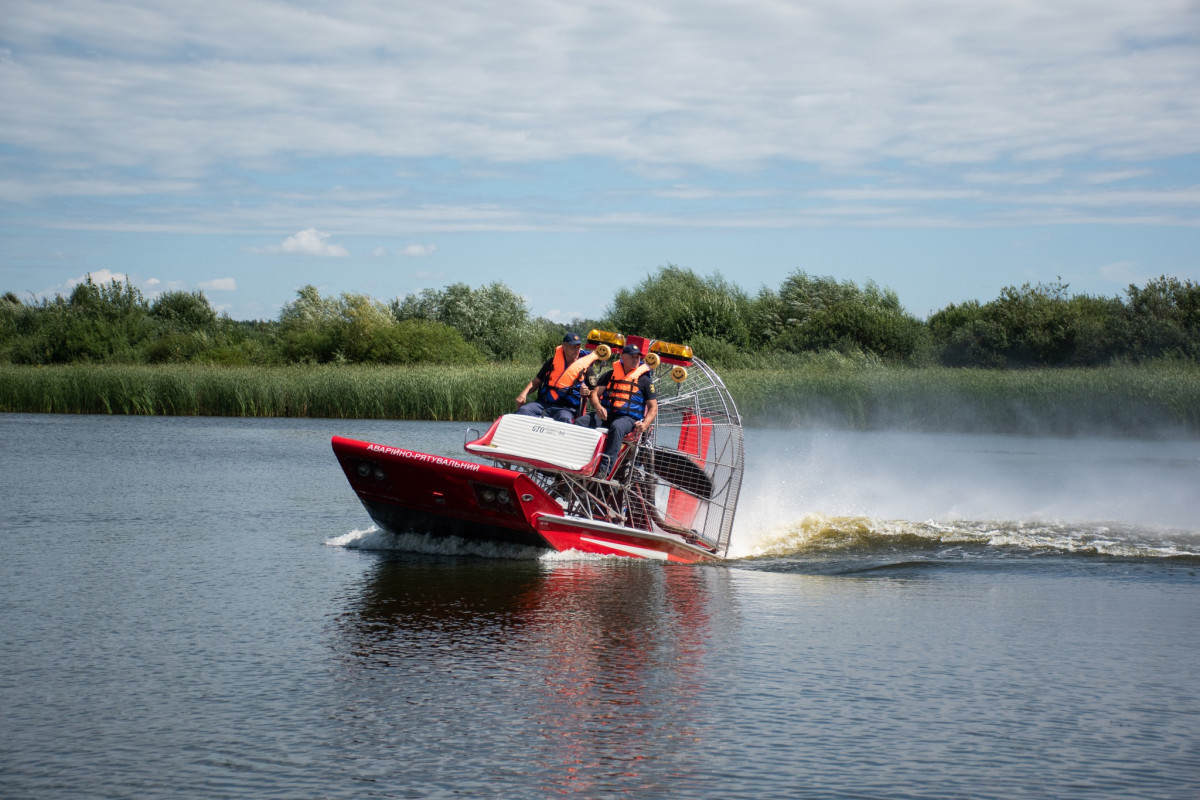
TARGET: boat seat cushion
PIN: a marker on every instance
(541, 443)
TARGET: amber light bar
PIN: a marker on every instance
(673, 353)
(614, 340)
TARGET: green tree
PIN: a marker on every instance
(100, 322)
(493, 318)
(1037, 321)
(766, 318)
(965, 338)
(12, 314)
(1163, 319)
(540, 336)
(184, 327)
(244, 343)
(418, 341)
(184, 311)
(677, 305)
(813, 313)
(354, 328)
(308, 328)
(1038, 325)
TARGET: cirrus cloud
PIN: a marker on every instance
(218, 285)
(661, 82)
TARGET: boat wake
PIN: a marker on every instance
(377, 539)
(817, 536)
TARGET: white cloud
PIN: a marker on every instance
(873, 194)
(1114, 176)
(410, 251)
(308, 242)
(183, 117)
(218, 285)
(686, 192)
(1015, 177)
(52, 186)
(153, 287)
(644, 81)
(1180, 198)
(98, 276)
(1122, 272)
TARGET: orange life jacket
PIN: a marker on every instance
(623, 395)
(562, 384)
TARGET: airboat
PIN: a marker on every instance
(671, 493)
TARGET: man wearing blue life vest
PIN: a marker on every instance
(559, 384)
(624, 401)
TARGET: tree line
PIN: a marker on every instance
(1040, 325)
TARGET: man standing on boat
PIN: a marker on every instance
(624, 401)
(560, 385)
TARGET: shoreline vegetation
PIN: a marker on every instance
(813, 352)
(1140, 401)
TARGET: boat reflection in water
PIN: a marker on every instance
(579, 675)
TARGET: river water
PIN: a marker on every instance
(196, 607)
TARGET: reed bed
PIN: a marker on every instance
(1138, 401)
(430, 393)
(1119, 401)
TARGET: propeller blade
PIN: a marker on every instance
(680, 471)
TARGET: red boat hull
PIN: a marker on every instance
(406, 491)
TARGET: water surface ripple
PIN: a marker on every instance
(200, 608)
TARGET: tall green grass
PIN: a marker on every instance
(856, 394)
(1138, 401)
(360, 392)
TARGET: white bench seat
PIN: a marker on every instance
(541, 443)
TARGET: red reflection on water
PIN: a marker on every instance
(622, 652)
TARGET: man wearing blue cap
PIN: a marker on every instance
(560, 383)
(624, 401)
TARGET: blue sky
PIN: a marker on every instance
(942, 148)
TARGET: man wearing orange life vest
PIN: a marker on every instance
(559, 384)
(624, 401)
